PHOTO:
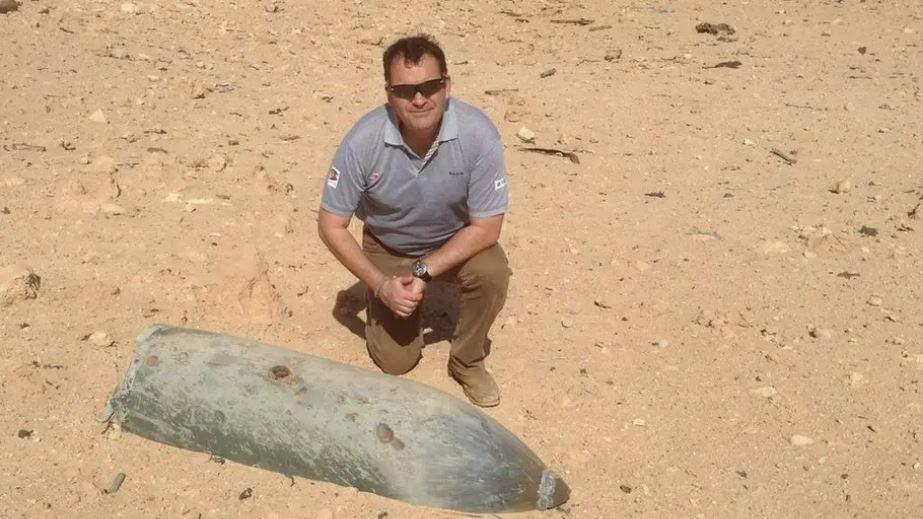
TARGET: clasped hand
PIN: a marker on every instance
(402, 294)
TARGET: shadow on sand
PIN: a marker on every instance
(440, 310)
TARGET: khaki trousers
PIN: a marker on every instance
(396, 344)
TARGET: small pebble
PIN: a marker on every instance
(116, 483)
(875, 301)
(118, 53)
(100, 338)
(98, 117)
(18, 283)
(764, 392)
(526, 135)
(842, 187)
(820, 333)
(865, 230)
(217, 163)
(801, 441)
(112, 209)
(7, 6)
(115, 431)
(197, 91)
(602, 303)
(857, 379)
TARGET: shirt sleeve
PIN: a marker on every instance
(487, 193)
(343, 184)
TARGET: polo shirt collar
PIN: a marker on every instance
(448, 129)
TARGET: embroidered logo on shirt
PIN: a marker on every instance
(499, 184)
(333, 178)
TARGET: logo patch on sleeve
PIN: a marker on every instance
(333, 178)
(499, 184)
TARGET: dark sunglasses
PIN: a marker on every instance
(427, 88)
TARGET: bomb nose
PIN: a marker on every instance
(552, 491)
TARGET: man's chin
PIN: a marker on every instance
(422, 126)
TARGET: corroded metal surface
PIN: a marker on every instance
(305, 416)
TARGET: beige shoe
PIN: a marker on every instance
(478, 386)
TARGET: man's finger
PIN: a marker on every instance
(404, 309)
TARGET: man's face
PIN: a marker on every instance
(417, 112)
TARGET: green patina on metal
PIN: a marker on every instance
(301, 415)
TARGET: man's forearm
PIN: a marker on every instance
(467, 242)
(344, 246)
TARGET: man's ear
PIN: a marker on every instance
(448, 87)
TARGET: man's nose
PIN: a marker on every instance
(418, 99)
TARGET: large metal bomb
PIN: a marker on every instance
(301, 415)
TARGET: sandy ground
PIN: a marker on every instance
(695, 327)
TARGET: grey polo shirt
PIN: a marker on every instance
(415, 204)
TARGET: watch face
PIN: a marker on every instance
(419, 268)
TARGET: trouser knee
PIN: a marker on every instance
(395, 362)
(488, 271)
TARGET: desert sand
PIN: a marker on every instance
(714, 310)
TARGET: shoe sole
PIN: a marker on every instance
(493, 403)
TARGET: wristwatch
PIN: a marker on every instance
(420, 270)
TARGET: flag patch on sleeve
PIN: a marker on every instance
(333, 178)
(499, 184)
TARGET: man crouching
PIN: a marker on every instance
(426, 175)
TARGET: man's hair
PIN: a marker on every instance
(412, 49)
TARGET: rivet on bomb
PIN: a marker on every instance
(280, 372)
(385, 434)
